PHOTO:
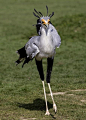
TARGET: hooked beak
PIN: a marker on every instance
(46, 25)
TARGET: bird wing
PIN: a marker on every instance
(38, 26)
(31, 47)
(55, 36)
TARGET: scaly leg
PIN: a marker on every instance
(49, 70)
(40, 70)
(54, 105)
(47, 111)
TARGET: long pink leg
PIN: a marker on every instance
(47, 111)
(54, 105)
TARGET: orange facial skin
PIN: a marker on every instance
(48, 21)
(43, 21)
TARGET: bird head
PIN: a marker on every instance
(43, 20)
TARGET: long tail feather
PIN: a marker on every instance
(22, 56)
(26, 61)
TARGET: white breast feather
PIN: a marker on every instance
(47, 48)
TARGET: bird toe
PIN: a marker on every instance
(55, 108)
(47, 113)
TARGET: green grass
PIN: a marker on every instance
(21, 92)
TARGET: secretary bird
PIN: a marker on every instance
(42, 46)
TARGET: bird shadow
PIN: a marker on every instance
(38, 104)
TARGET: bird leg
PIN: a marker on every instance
(54, 105)
(47, 111)
(49, 70)
(40, 70)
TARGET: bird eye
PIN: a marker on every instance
(48, 21)
(43, 21)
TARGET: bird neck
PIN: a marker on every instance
(45, 31)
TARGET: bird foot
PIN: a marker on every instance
(55, 108)
(47, 113)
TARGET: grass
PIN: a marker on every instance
(21, 92)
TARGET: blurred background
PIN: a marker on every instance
(21, 93)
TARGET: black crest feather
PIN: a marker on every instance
(51, 14)
(47, 10)
(35, 15)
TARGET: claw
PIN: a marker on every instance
(47, 113)
(55, 108)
